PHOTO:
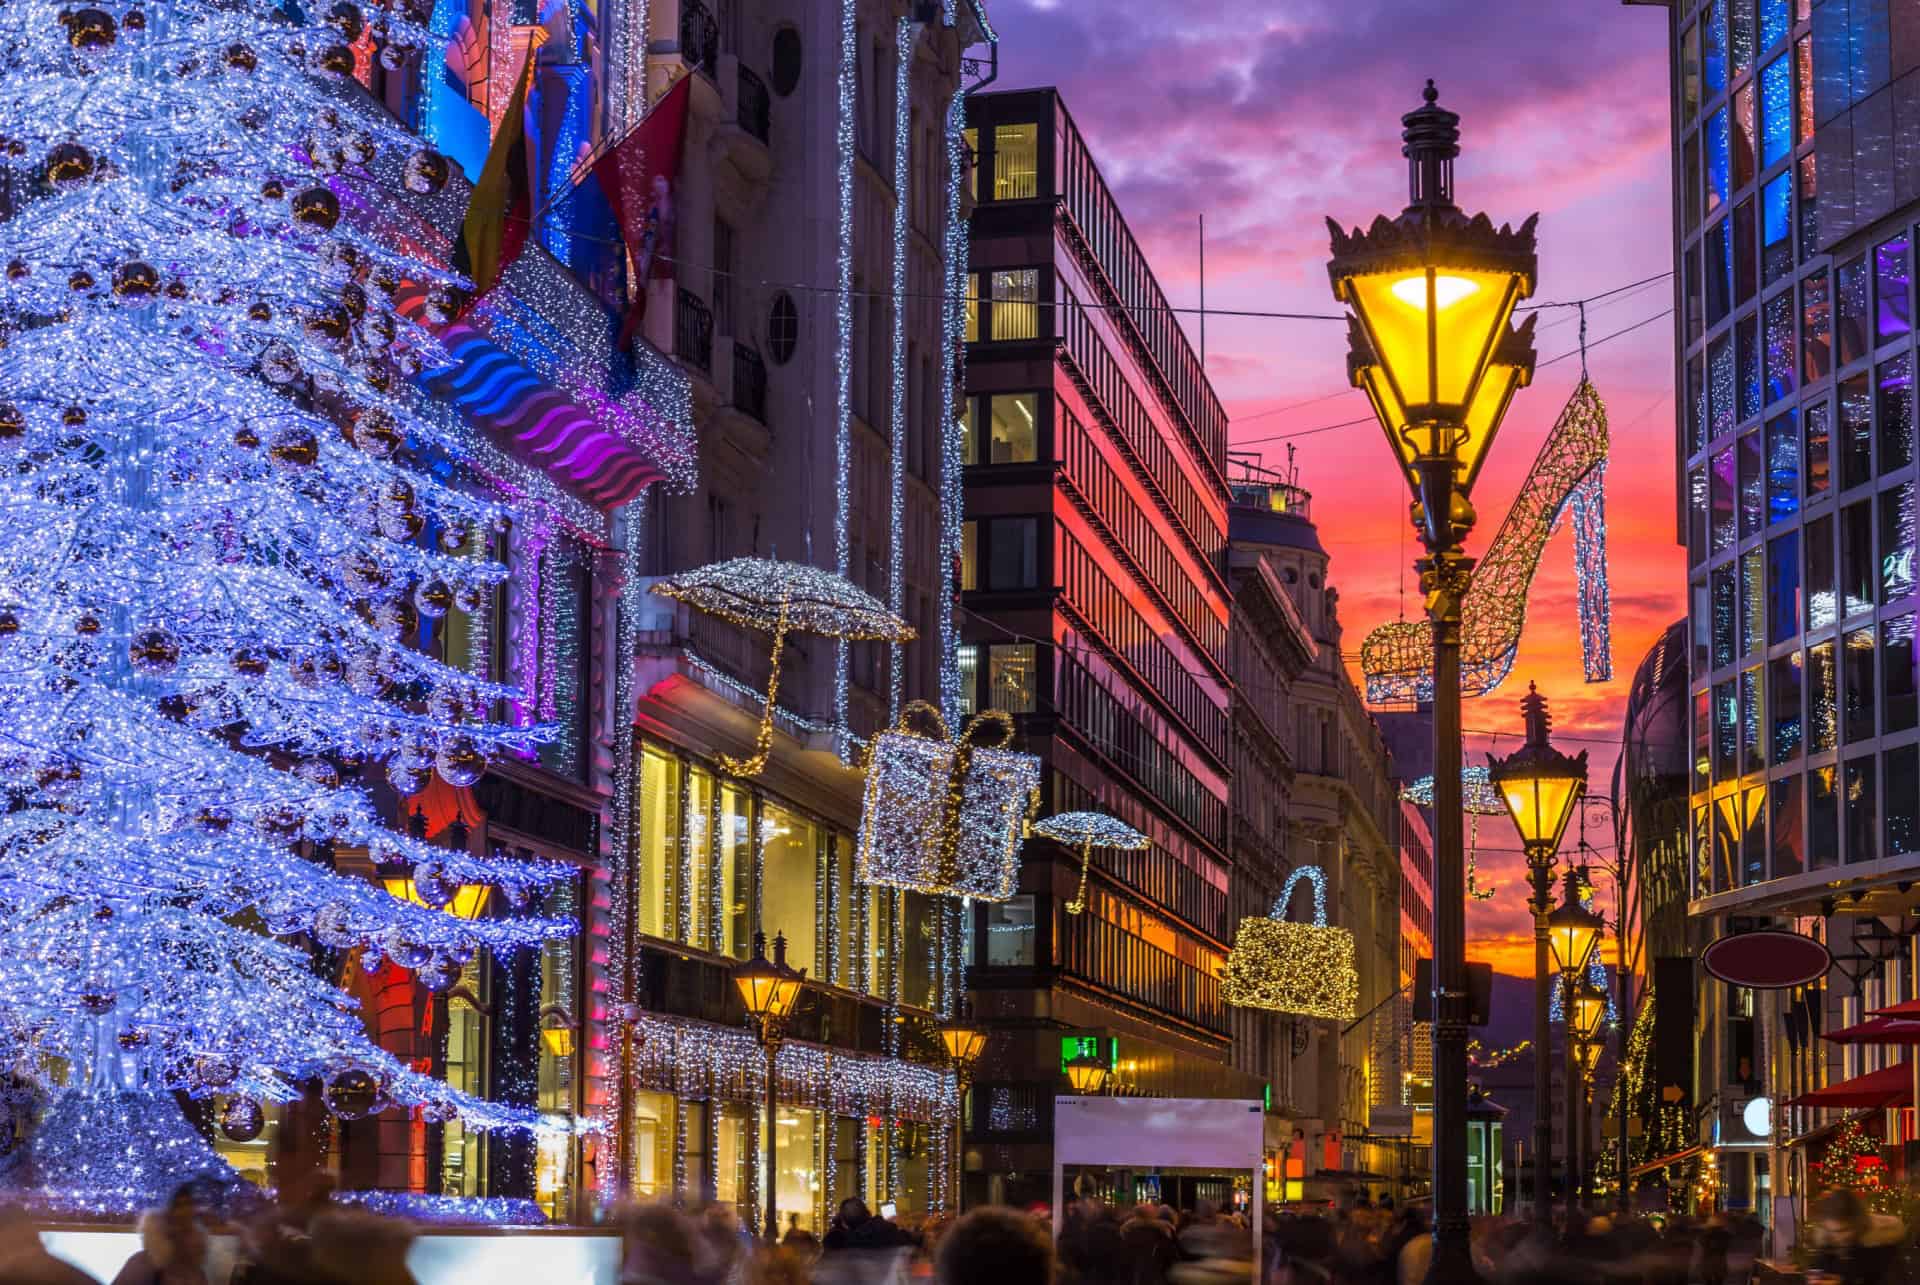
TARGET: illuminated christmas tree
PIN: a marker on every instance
(1840, 1163)
(234, 548)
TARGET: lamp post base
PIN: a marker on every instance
(1452, 1256)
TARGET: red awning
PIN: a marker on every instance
(1909, 1009)
(1674, 1159)
(1889, 1087)
(1878, 1030)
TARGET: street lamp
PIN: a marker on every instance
(1087, 1075)
(1540, 786)
(769, 989)
(964, 1042)
(1432, 294)
(1573, 932)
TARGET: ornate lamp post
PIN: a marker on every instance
(1541, 786)
(769, 989)
(1586, 1013)
(964, 1041)
(1572, 933)
(1432, 294)
(1087, 1075)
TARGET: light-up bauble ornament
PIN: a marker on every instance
(318, 772)
(248, 662)
(245, 438)
(80, 281)
(317, 207)
(134, 20)
(91, 29)
(279, 365)
(242, 1120)
(215, 1071)
(352, 1094)
(459, 762)
(294, 447)
(433, 598)
(373, 430)
(334, 60)
(359, 148)
(153, 651)
(329, 325)
(135, 280)
(346, 18)
(426, 173)
(12, 423)
(240, 58)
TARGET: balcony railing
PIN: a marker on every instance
(699, 38)
(1110, 957)
(693, 331)
(755, 109)
(749, 381)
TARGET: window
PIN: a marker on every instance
(1753, 604)
(1818, 457)
(1747, 345)
(1015, 299)
(1718, 268)
(1773, 22)
(1863, 828)
(1783, 684)
(1714, 46)
(1776, 112)
(1015, 434)
(1893, 398)
(1823, 607)
(1857, 570)
(967, 664)
(1740, 36)
(1903, 800)
(463, 1151)
(1702, 739)
(1724, 612)
(1696, 518)
(650, 1127)
(1013, 553)
(1719, 144)
(1010, 677)
(784, 67)
(1689, 73)
(1789, 839)
(1816, 321)
(1744, 131)
(1725, 529)
(1856, 433)
(1776, 244)
(1016, 162)
(790, 872)
(1783, 468)
(1726, 731)
(1783, 587)
(972, 305)
(969, 556)
(1823, 724)
(1696, 407)
(1753, 721)
(657, 847)
(1897, 519)
(1691, 167)
(722, 278)
(1010, 932)
(971, 161)
(1745, 256)
(1803, 89)
(1721, 381)
(1892, 313)
(1823, 818)
(783, 328)
(1850, 333)
(1753, 495)
(1856, 685)
(1809, 186)
(1898, 695)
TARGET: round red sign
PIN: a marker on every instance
(1767, 959)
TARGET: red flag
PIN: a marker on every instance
(500, 211)
(638, 174)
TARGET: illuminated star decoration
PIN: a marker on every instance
(1287, 967)
(1087, 831)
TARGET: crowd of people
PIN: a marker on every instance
(316, 1242)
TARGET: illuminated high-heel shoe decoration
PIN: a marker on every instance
(1568, 476)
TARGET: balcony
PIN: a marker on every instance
(693, 331)
(749, 382)
(699, 39)
(755, 106)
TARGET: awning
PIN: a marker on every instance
(1910, 1008)
(1878, 1030)
(1674, 1159)
(1888, 1087)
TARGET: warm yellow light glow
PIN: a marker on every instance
(1447, 291)
(1572, 933)
(963, 1043)
(558, 1039)
(1540, 806)
(1086, 1077)
(1285, 967)
(469, 900)
(1466, 445)
(1589, 1010)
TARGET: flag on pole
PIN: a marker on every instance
(638, 174)
(500, 211)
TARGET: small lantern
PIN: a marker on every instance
(1572, 930)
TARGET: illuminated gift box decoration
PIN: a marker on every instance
(945, 814)
(1304, 969)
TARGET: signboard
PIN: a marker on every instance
(1390, 1121)
(1103, 1049)
(1767, 959)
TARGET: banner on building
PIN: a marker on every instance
(637, 176)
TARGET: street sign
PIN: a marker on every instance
(1083, 1049)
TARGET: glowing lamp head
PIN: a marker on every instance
(1587, 1010)
(963, 1041)
(769, 988)
(1572, 930)
(1432, 293)
(468, 901)
(556, 1033)
(1087, 1076)
(1540, 785)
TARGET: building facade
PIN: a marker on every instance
(1095, 609)
(1794, 201)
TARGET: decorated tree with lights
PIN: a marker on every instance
(224, 517)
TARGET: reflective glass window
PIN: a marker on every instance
(1718, 141)
(1823, 817)
(1725, 615)
(1789, 844)
(1863, 816)
(1753, 720)
(1851, 313)
(1808, 192)
(1823, 722)
(1858, 574)
(1802, 89)
(1783, 587)
(1690, 170)
(1823, 608)
(1725, 529)
(1745, 256)
(792, 862)
(1753, 603)
(1016, 162)
(1713, 47)
(1896, 542)
(1892, 290)
(1816, 327)
(1697, 514)
(1783, 467)
(1699, 618)
(1783, 685)
(1015, 304)
(1013, 553)
(1717, 266)
(1702, 738)
(1774, 22)
(1726, 731)
(1011, 680)
(1893, 407)
(1818, 456)
(1689, 73)
(1741, 32)
(1857, 673)
(1856, 433)
(1776, 242)
(1726, 838)
(1753, 493)
(1696, 406)
(1743, 127)
(1899, 691)
(1776, 112)
(1722, 386)
(1747, 346)
(1902, 767)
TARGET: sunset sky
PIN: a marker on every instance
(1264, 118)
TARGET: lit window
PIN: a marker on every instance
(1010, 677)
(969, 555)
(967, 664)
(972, 164)
(1016, 304)
(1016, 162)
(1016, 437)
(973, 306)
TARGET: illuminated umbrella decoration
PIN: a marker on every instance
(1478, 799)
(1087, 831)
(781, 598)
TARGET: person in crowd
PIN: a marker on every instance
(995, 1247)
(1091, 1251)
(173, 1246)
(1147, 1238)
(24, 1260)
(856, 1228)
(659, 1246)
(1853, 1245)
(354, 1247)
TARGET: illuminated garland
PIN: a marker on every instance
(1285, 967)
(848, 109)
(1087, 831)
(906, 35)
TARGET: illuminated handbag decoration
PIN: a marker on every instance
(945, 814)
(1305, 969)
